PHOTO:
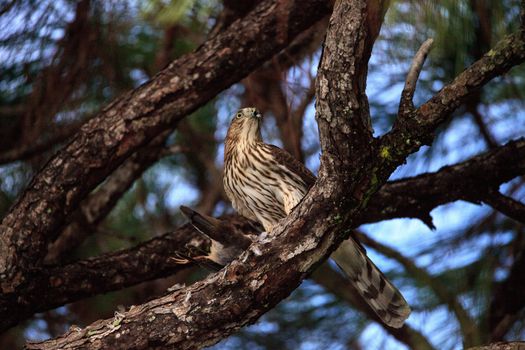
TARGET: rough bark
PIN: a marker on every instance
(353, 167)
(53, 286)
(470, 181)
(210, 310)
(412, 197)
(516, 345)
(99, 204)
(135, 118)
(242, 293)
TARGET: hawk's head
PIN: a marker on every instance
(245, 126)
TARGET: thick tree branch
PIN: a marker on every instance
(135, 118)
(412, 197)
(235, 238)
(99, 204)
(415, 197)
(351, 172)
(241, 293)
(209, 310)
(58, 285)
(53, 286)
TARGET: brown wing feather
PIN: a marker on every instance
(286, 159)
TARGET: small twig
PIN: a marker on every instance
(506, 205)
(483, 128)
(406, 104)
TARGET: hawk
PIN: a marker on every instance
(264, 183)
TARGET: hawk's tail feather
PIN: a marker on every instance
(385, 299)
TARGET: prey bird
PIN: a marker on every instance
(227, 242)
(264, 183)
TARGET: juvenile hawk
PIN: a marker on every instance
(264, 183)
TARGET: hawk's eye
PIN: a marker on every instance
(239, 115)
(254, 113)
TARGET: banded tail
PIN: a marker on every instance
(385, 299)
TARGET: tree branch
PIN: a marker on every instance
(412, 197)
(490, 140)
(352, 169)
(506, 205)
(415, 197)
(99, 204)
(53, 286)
(209, 310)
(413, 130)
(135, 118)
